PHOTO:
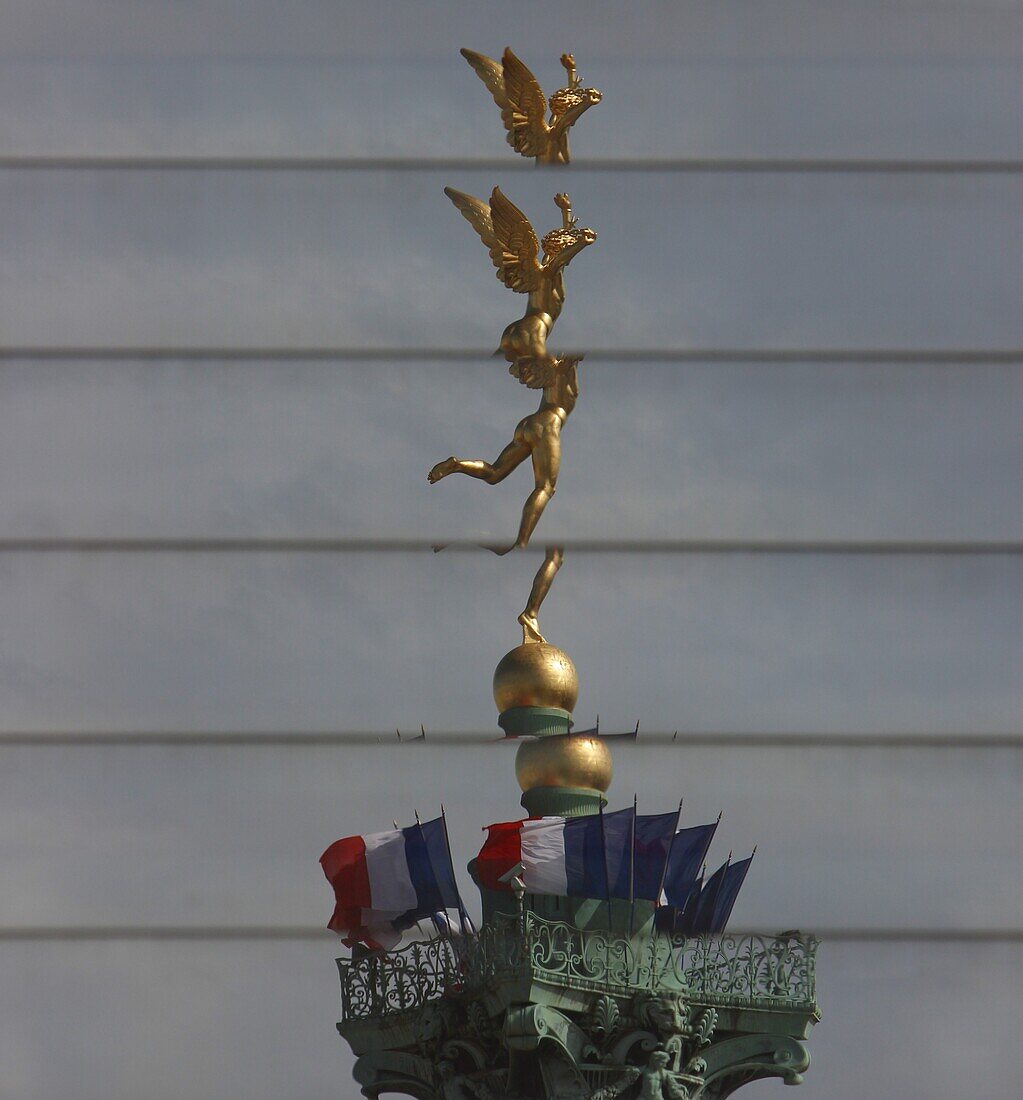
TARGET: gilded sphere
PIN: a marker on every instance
(536, 675)
(564, 761)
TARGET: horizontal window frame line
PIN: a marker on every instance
(78, 933)
(262, 353)
(691, 164)
(387, 738)
(328, 545)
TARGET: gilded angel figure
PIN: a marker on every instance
(515, 251)
(524, 106)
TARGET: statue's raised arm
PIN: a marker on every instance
(524, 106)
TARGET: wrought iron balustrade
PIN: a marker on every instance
(744, 969)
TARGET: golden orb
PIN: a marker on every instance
(564, 761)
(536, 674)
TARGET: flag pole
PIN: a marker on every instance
(728, 863)
(723, 917)
(717, 892)
(694, 897)
(667, 860)
(462, 915)
(632, 861)
(422, 837)
(397, 829)
(607, 876)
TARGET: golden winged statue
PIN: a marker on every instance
(515, 252)
(524, 106)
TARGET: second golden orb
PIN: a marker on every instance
(564, 761)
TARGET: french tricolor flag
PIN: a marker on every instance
(586, 857)
(616, 855)
(386, 882)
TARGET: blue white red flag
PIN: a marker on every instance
(700, 917)
(559, 856)
(618, 828)
(385, 882)
(653, 841)
(730, 886)
(687, 856)
(676, 919)
(585, 857)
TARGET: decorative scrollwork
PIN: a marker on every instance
(745, 970)
(760, 968)
(383, 983)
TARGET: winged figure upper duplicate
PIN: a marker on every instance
(524, 107)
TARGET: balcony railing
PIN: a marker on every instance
(758, 970)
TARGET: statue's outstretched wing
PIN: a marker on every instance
(521, 99)
(519, 248)
(525, 114)
(490, 72)
(508, 235)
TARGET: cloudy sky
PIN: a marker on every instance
(224, 434)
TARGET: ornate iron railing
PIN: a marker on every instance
(753, 969)
(396, 981)
(761, 968)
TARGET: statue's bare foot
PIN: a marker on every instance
(530, 628)
(500, 551)
(442, 469)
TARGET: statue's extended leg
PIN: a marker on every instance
(529, 619)
(546, 467)
(491, 472)
(532, 510)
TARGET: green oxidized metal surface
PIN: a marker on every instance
(534, 721)
(540, 1008)
(562, 801)
(738, 970)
